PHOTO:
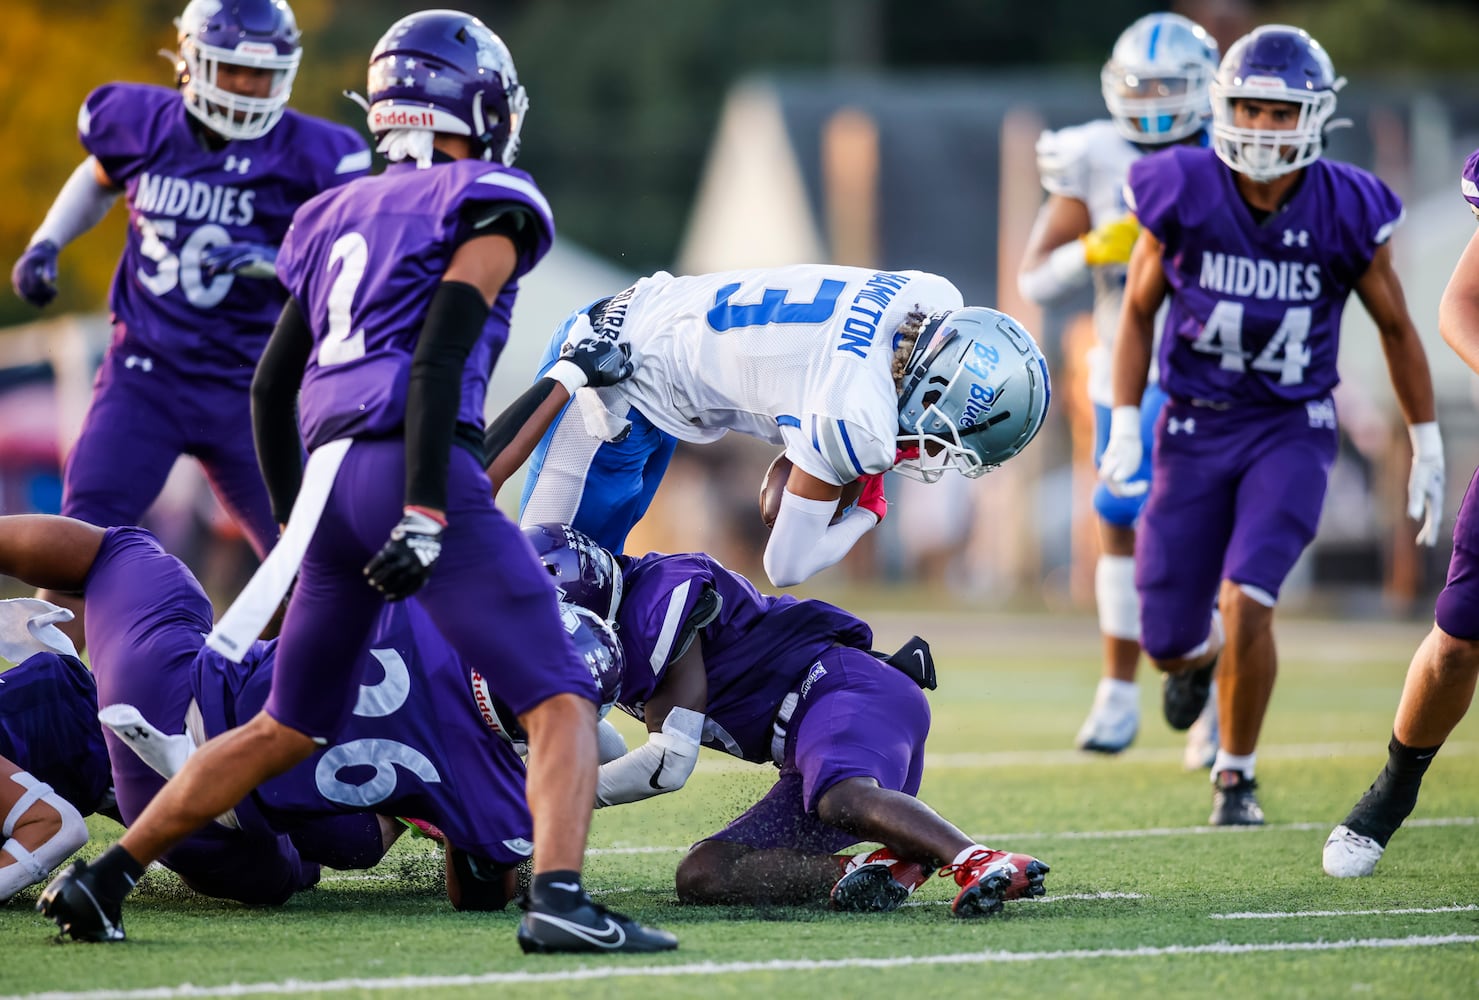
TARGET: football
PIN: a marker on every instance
(774, 485)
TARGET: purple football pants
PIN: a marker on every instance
(141, 420)
(1236, 496)
(1458, 604)
(487, 595)
(860, 719)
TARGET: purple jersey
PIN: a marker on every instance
(757, 649)
(1469, 182)
(1255, 307)
(364, 260)
(183, 199)
(416, 744)
(49, 727)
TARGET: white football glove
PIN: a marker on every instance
(1123, 454)
(1425, 483)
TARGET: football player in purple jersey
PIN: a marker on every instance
(1155, 86)
(440, 744)
(712, 662)
(1441, 677)
(1255, 244)
(401, 287)
(212, 171)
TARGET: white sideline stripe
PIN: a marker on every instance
(717, 764)
(610, 971)
(1160, 831)
(1345, 913)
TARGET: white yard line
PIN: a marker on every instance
(720, 764)
(1154, 831)
(610, 970)
(1344, 913)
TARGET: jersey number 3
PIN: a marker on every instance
(1286, 354)
(773, 307)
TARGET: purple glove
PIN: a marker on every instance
(34, 275)
(250, 260)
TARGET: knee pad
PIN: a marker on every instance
(1122, 512)
(1114, 592)
(33, 866)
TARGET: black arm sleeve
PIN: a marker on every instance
(275, 408)
(506, 426)
(454, 322)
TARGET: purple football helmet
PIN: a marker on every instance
(258, 34)
(445, 71)
(584, 572)
(598, 648)
(1274, 63)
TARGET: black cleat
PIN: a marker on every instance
(588, 927)
(1184, 695)
(73, 901)
(1233, 801)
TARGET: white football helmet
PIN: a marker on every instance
(1274, 62)
(975, 393)
(261, 34)
(1156, 81)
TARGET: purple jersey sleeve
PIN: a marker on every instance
(364, 261)
(1154, 190)
(185, 198)
(756, 648)
(1469, 182)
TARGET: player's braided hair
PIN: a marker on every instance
(907, 335)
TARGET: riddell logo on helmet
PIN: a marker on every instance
(402, 118)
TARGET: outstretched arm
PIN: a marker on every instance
(675, 720)
(43, 550)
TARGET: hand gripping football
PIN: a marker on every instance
(775, 484)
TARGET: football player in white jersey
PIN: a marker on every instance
(855, 371)
(1156, 89)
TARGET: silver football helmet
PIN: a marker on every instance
(975, 393)
(1156, 81)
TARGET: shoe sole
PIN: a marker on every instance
(982, 899)
(1180, 717)
(870, 889)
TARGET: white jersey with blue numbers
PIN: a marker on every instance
(1091, 163)
(800, 355)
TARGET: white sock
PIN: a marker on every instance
(1233, 762)
(1124, 695)
(966, 853)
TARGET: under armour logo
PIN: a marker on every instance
(137, 733)
(142, 364)
(1321, 413)
(1187, 426)
(1302, 238)
(238, 164)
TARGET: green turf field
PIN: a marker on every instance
(1141, 900)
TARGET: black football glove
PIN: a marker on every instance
(603, 362)
(404, 562)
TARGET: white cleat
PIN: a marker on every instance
(1350, 855)
(1203, 737)
(1114, 720)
